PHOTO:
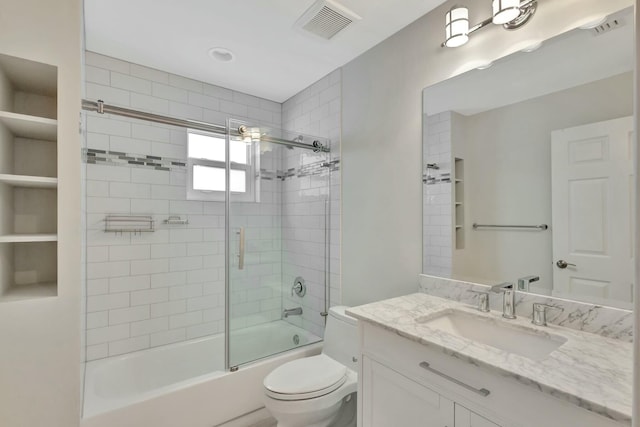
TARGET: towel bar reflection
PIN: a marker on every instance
(540, 227)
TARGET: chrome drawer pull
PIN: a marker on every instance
(481, 391)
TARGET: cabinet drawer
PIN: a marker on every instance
(393, 399)
(491, 394)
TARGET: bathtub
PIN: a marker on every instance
(185, 384)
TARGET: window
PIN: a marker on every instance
(206, 168)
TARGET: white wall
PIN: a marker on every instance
(40, 338)
(381, 136)
(636, 329)
(167, 286)
(437, 193)
(315, 111)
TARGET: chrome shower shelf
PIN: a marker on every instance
(176, 220)
(136, 224)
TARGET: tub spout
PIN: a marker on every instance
(292, 312)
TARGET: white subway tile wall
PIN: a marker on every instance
(315, 111)
(437, 196)
(151, 289)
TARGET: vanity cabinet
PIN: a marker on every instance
(406, 383)
(465, 418)
(394, 399)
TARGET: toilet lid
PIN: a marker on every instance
(306, 375)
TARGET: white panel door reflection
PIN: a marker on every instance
(592, 206)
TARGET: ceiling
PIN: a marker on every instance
(273, 59)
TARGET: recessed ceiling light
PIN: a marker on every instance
(532, 48)
(484, 66)
(221, 54)
(592, 24)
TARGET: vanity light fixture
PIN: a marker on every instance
(505, 11)
(457, 27)
(511, 14)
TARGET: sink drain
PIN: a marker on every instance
(296, 339)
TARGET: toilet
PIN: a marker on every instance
(319, 391)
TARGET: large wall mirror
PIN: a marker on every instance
(528, 168)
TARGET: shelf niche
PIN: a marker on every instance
(28, 179)
(28, 270)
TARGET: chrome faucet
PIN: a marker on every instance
(292, 312)
(524, 282)
(508, 300)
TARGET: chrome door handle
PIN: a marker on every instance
(564, 264)
(481, 391)
(241, 249)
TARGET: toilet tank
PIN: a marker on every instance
(341, 341)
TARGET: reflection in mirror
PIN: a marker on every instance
(528, 169)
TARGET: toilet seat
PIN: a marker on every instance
(305, 378)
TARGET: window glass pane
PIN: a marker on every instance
(206, 147)
(238, 151)
(208, 179)
(212, 148)
(238, 181)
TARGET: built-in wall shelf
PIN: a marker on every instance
(28, 181)
(34, 290)
(27, 238)
(34, 127)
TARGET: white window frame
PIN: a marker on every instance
(250, 168)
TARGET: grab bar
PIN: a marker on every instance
(537, 227)
(481, 391)
(241, 249)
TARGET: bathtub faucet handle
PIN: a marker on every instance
(299, 287)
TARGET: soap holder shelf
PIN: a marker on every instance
(176, 220)
(136, 224)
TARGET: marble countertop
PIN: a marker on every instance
(588, 370)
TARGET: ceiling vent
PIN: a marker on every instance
(326, 18)
(608, 25)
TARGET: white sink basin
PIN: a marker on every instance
(497, 333)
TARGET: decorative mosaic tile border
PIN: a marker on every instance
(116, 158)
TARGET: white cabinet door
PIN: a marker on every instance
(391, 399)
(466, 418)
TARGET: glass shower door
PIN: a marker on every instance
(277, 242)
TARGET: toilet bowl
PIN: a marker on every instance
(318, 391)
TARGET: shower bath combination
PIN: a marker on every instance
(207, 288)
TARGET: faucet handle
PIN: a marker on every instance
(483, 300)
(502, 287)
(539, 316)
(524, 282)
